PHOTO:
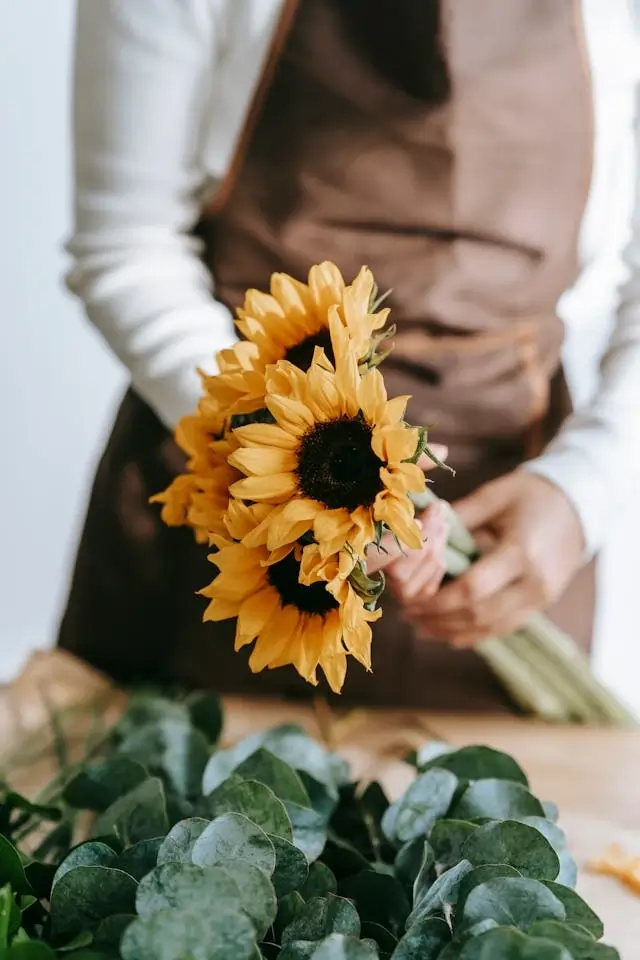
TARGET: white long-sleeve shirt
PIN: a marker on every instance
(161, 90)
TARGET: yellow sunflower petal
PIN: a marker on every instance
(289, 524)
(292, 415)
(327, 287)
(218, 610)
(263, 461)
(333, 660)
(394, 444)
(274, 489)
(394, 411)
(372, 396)
(254, 614)
(274, 638)
(308, 647)
(398, 514)
(264, 435)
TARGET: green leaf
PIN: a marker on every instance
(12, 869)
(231, 837)
(99, 785)
(281, 778)
(205, 710)
(321, 917)
(379, 899)
(428, 752)
(93, 853)
(342, 857)
(414, 858)
(577, 910)
(288, 909)
(443, 891)
(145, 707)
(509, 944)
(15, 801)
(6, 910)
(173, 749)
(423, 941)
(497, 799)
(510, 901)
(581, 946)
(34, 950)
(335, 947)
(178, 843)
(551, 811)
(257, 896)
(303, 753)
(223, 763)
(309, 830)
(476, 763)
(489, 871)
(190, 935)
(86, 895)
(517, 844)
(110, 932)
(140, 859)
(427, 799)
(320, 882)
(40, 877)
(448, 837)
(292, 868)
(252, 800)
(184, 886)
(426, 875)
(140, 814)
(379, 935)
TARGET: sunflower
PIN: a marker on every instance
(289, 323)
(199, 498)
(310, 625)
(337, 461)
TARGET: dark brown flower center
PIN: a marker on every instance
(302, 354)
(316, 599)
(337, 466)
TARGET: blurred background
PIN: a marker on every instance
(58, 384)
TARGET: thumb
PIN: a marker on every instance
(482, 507)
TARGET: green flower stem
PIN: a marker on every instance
(540, 666)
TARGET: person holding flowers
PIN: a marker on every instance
(247, 158)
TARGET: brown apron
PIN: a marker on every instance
(448, 147)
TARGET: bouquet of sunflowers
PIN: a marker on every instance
(298, 466)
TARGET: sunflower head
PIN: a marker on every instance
(289, 323)
(292, 617)
(339, 460)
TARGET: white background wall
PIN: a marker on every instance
(58, 385)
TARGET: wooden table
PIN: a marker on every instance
(591, 774)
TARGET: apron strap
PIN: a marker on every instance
(278, 40)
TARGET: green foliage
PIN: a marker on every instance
(268, 850)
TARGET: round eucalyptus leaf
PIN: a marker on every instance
(205, 712)
(140, 814)
(173, 749)
(186, 886)
(516, 844)
(99, 785)
(428, 752)
(309, 830)
(424, 940)
(320, 918)
(12, 868)
(303, 753)
(140, 859)
(232, 837)
(335, 947)
(477, 763)
(198, 935)
(448, 838)
(497, 799)
(510, 901)
(577, 910)
(427, 799)
(383, 938)
(222, 763)
(551, 811)
(110, 931)
(488, 871)
(281, 778)
(549, 830)
(442, 892)
(93, 853)
(145, 707)
(34, 950)
(252, 800)
(257, 896)
(379, 899)
(568, 873)
(178, 843)
(505, 943)
(581, 946)
(85, 895)
(320, 882)
(292, 867)
(413, 859)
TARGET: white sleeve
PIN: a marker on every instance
(142, 84)
(595, 459)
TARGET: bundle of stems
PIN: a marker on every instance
(541, 667)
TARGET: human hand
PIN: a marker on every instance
(416, 569)
(536, 548)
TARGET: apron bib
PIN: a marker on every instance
(446, 145)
